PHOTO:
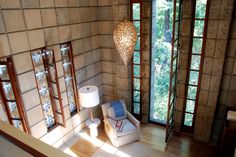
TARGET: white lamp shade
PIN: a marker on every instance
(89, 96)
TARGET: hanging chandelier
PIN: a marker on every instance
(125, 37)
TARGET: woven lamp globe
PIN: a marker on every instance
(125, 37)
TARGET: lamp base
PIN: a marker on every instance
(92, 125)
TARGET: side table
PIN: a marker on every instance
(93, 126)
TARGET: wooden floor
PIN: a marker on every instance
(181, 145)
(153, 136)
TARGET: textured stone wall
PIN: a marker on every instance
(116, 76)
(227, 95)
(31, 24)
(220, 14)
(217, 37)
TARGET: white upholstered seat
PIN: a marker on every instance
(121, 132)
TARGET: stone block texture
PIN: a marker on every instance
(227, 94)
(31, 24)
(88, 24)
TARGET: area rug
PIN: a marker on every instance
(135, 149)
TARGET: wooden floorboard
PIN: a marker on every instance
(153, 136)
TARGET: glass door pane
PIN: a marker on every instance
(161, 59)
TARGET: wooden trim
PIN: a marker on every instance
(19, 102)
(138, 116)
(173, 74)
(50, 88)
(14, 85)
(21, 145)
(184, 128)
(50, 82)
(36, 79)
(72, 70)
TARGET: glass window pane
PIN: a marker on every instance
(198, 28)
(136, 71)
(193, 79)
(197, 45)
(18, 124)
(137, 45)
(176, 30)
(48, 113)
(4, 72)
(137, 108)
(172, 96)
(188, 119)
(174, 65)
(13, 110)
(176, 47)
(8, 91)
(3, 114)
(136, 11)
(136, 58)
(190, 106)
(64, 50)
(195, 63)
(200, 8)
(177, 11)
(173, 80)
(137, 96)
(37, 58)
(137, 26)
(192, 91)
(136, 83)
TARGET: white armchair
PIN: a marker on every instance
(130, 131)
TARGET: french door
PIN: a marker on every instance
(177, 8)
(166, 21)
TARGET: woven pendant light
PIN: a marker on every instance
(125, 37)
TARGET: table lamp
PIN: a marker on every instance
(89, 98)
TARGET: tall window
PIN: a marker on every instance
(136, 6)
(48, 87)
(69, 75)
(11, 103)
(197, 45)
(162, 59)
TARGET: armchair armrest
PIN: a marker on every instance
(110, 127)
(133, 120)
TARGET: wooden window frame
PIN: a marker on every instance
(18, 100)
(50, 82)
(72, 70)
(138, 116)
(185, 128)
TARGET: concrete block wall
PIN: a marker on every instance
(116, 76)
(220, 15)
(227, 95)
(31, 24)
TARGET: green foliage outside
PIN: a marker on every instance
(161, 55)
(162, 58)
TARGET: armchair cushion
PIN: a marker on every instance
(124, 127)
(117, 110)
